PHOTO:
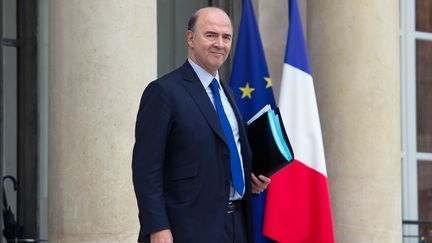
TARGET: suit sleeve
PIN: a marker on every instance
(151, 135)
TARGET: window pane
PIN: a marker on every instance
(424, 169)
(424, 95)
(424, 15)
(10, 119)
(10, 19)
(172, 17)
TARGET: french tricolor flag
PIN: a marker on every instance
(298, 203)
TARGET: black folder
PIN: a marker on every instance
(267, 157)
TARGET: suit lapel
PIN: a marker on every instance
(233, 105)
(241, 124)
(199, 95)
(195, 89)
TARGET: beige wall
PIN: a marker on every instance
(102, 54)
(354, 53)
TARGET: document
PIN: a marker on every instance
(271, 149)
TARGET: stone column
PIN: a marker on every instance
(102, 54)
(354, 50)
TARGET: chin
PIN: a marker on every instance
(218, 63)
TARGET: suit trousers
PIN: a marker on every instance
(235, 228)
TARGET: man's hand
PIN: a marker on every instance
(163, 236)
(259, 184)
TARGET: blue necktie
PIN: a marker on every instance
(236, 170)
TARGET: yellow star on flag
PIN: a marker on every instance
(247, 91)
(269, 82)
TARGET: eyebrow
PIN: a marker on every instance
(216, 33)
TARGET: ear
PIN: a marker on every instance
(190, 38)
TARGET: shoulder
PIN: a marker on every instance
(183, 72)
(169, 85)
(165, 83)
(174, 80)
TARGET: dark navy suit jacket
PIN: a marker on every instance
(181, 166)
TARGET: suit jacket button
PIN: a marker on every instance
(227, 182)
(226, 156)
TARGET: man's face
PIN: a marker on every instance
(210, 42)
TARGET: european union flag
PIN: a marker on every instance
(250, 79)
(252, 86)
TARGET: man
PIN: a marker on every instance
(191, 160)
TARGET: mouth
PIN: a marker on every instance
(217, 54)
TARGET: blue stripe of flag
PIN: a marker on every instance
(296, 53)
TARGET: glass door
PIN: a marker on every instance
(416, 63)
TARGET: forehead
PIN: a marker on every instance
(214, 20)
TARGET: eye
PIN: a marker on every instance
(227, 38)
(210, 35)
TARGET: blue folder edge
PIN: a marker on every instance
(277, 135)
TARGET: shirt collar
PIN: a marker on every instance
(205, 77)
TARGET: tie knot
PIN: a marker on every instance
(214, 85)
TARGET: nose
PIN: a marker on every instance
(219, 42)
